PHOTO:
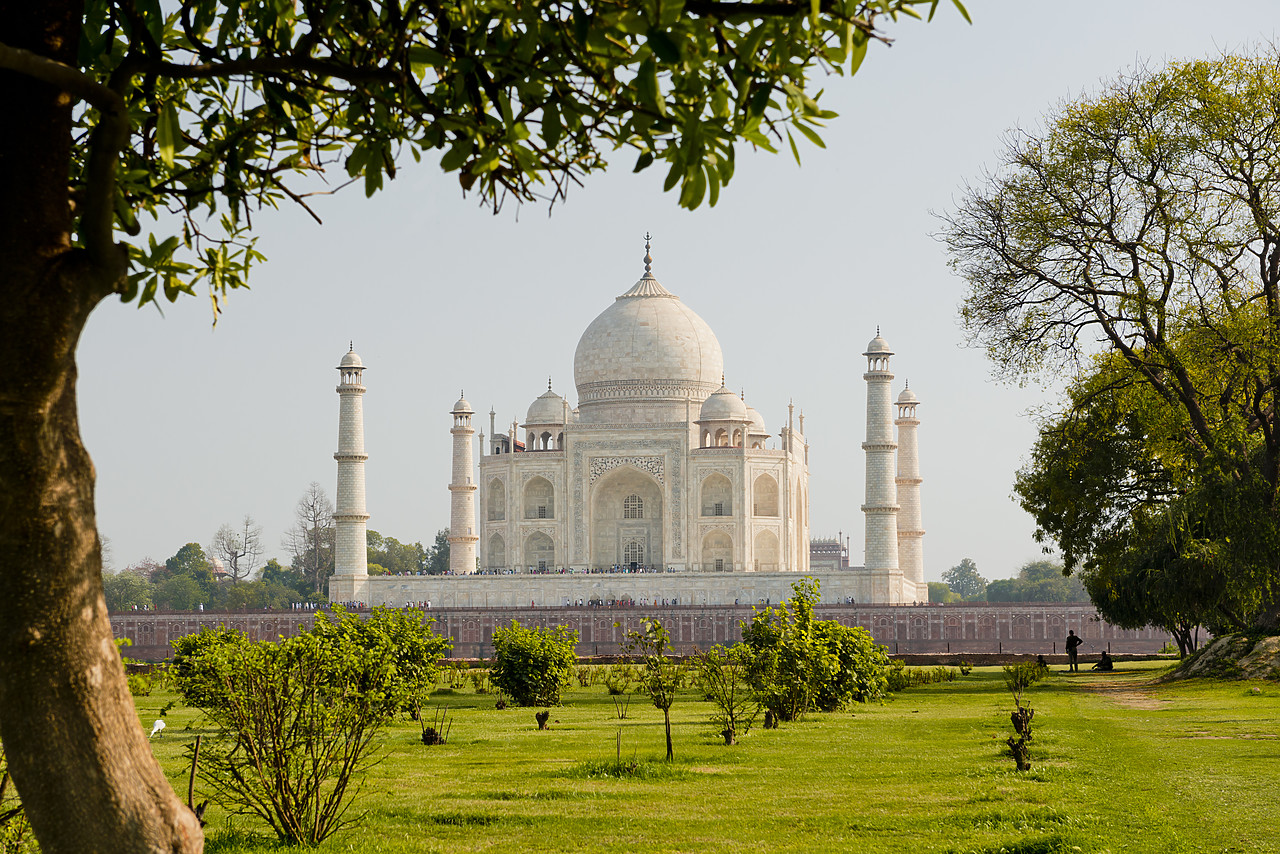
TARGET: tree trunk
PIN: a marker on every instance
(666, 719)
(75, 747)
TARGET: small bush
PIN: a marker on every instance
(532, 666)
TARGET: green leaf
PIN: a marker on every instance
(795, 152)
(644, 161)
(662, 46)
(811, 134)
(167, 132)
(963, 11)
(647, 87)
(858, 51)
(551, 127)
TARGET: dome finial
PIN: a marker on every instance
(353, 346)
(722, 379)
(548, 382)
(648, 259)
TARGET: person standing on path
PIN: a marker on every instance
(1073, 647)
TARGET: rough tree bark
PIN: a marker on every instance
(78, 755)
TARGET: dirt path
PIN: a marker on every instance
(1130, 691)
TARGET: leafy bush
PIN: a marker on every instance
(532, 666)
(299, 716)
(797, 664)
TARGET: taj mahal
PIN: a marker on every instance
(660, 486)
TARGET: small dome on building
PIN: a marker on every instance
(878, 347)
(547, 409)
(757, 420)
(462, 405)
(351, 360)
(723, 405)
(908, 396)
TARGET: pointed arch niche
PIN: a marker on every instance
(626, 519)
(717, 552)
(539, 551)
(496, 501)
(497, 552)
(539, 499)
(717, 496)
(767, 554)
(765, 496)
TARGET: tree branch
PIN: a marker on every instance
(59, 74)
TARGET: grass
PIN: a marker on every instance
(1118, 765)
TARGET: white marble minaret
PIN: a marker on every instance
(462, 494)
(910, 527)
(350, 559)
(881, 507)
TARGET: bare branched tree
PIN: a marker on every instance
(239, 549)
(310, 540)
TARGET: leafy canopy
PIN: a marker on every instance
(532, 665)
(217, 110)
(1132, 249)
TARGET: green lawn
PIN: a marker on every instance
(1119, 764)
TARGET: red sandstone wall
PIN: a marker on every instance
(969, 627)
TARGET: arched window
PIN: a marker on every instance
(722, 438)
(497, 552)
(632, 508)
(633, 553)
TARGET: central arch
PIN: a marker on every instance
(626, 519)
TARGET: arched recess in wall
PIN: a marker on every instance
(765, 496)
(717, 552)
(767, 554)
(497, 500)
(626, 519)
(717, 496)
(539, 551)
(539, 499)
(497, 552)
(722, 438)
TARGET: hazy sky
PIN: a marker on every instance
(191, 427)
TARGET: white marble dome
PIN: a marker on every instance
(723, 405)
(756, 419)
(878, 347)
(547, 409)
(908, 396)
(462, 405)
(646, 347)
(351, 360)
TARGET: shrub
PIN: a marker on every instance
(722, 677)
(532, 666)
(299, 716)
(798, 663)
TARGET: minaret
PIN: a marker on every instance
(881, 507)
(350, 559)
(462, 510)
(910, 530)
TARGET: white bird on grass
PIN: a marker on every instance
(156, 729)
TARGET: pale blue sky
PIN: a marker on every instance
(794, 269)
